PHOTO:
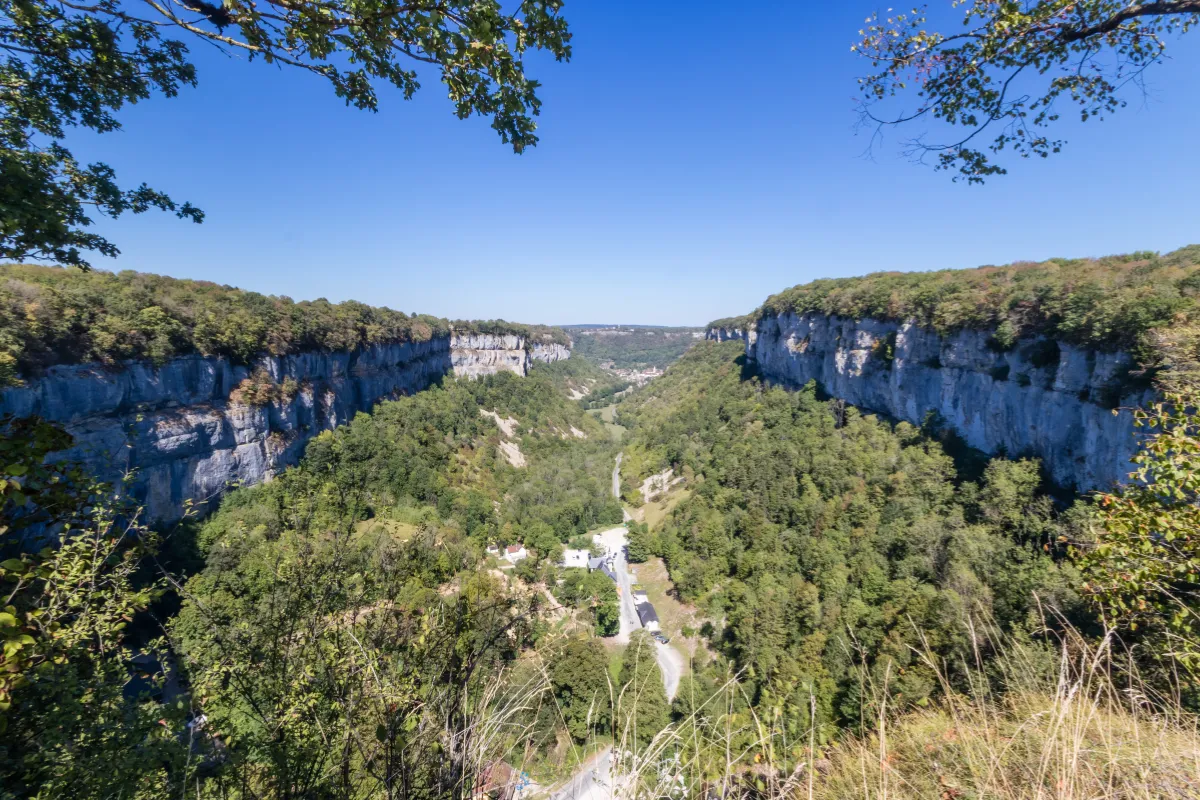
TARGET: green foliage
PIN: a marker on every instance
(631, 346)
(533, 334)
(77, 66)
(71, 723)
(435, 449)
(580, 376)
(295, 640)
(732, 323)
(641, 543)
(1143, 567)
(50, 315)
(642, 708)
(1106, 303)
(1080, 53)
(833, 544)
(580, 683)
(596, 592)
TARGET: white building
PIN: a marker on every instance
(515, 553)
(575, 558)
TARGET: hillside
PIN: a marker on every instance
(815, 531)
(51, 315)
(1106, 303)
(632, 347)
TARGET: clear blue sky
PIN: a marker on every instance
(695, 158)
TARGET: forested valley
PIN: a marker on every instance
(434, 602)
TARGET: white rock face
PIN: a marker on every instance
(477, 354)
(550, 352)
(724, 334)
(177, 436)
(1042, 398)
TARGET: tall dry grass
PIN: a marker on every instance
(1093, 732)
(1070, 721)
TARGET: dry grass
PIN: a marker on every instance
(654, 513)
(1090, 736)
(399, 531)
(1089, 731)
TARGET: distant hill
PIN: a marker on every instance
(633, 347)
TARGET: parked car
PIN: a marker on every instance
(659, 637)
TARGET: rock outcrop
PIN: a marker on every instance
(549, 352)
(1038, 398)
(724, 334)
(177, 436)
(476, 354)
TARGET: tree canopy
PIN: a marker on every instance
(69, 65)
(1109, 302)
(51, 315)
(1000, 81)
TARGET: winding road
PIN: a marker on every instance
(594, 780)
(670, 661)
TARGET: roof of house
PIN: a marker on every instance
(516, 548)
(646, 613)
(596, 562)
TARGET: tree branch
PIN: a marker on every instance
(1164, 8)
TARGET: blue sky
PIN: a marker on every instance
(691, 164)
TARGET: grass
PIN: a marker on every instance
(655, 512)
(616, 653)
(607, 416)
(1084, 733)
(400, 531)
(1068, 719)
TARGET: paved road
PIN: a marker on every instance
(670, 661)
(614, 541)
(592, 782)
(617, 477)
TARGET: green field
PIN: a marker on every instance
(607, 415)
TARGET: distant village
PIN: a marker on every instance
(638, 377)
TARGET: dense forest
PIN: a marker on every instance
(1106, 302)
(348, 598)
(50, 315)
(353, 628)
(632, 346)
(831, 544)
(347, 629)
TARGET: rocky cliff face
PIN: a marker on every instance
(476, 354)
(549, 353)
(723, 334)
(180, 435)
(1040, 398)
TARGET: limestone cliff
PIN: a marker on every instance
(475, 354)
(179, 435)
(1040, 398)
(724, 334)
